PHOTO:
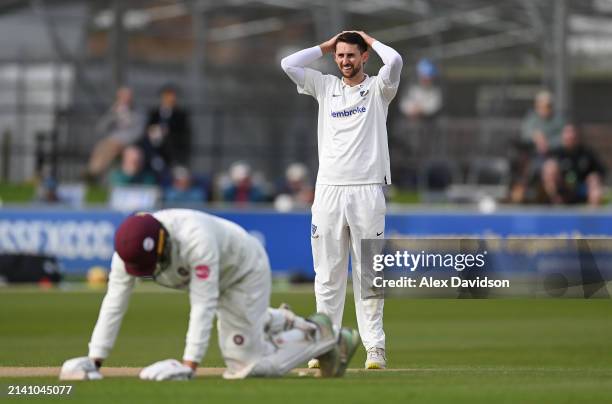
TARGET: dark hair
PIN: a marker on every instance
(354, 39)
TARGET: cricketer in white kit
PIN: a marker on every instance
(227, 274)
(349, 202)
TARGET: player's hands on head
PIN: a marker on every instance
(82, 368)
(368, 39)
(328, 46)
(169, 369)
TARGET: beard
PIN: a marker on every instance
(351, 73)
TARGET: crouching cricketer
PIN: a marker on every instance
(227, 273)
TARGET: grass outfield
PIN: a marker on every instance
(441, 350)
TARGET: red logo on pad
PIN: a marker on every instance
(202, 271)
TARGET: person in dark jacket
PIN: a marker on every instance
(167, 140)
(580, 168)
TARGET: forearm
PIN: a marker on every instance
(302, 58)
(392, 60)
(198, 335)
(105, 334)
(107, 327)
(387, 54)
(294, 64)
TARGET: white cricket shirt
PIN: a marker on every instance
(209, 255)
(352, 129)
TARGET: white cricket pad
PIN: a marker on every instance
(290, 353)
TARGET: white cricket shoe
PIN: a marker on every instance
(313, 364)
(376, 359)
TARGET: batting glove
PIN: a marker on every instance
(169, 369)
(82, 368)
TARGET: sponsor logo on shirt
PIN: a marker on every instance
(363, 93)
(348, 112)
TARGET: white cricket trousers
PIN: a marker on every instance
(342, 215)
(243, 316)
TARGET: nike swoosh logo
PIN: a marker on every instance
(336, 95)
(378, 234)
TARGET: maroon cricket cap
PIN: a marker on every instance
(139, 241)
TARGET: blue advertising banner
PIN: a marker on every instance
(79, 239)
(84, 238)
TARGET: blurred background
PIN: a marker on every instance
(501, 124)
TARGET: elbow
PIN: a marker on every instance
(285, 65)
(397, 62)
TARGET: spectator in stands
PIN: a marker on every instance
(423, 100)
(551, 189)
(525, 175)
(297, 186)
(132, 170)
(122, 125)
(167, 139)
(579, 168)
(241, 187)
(533, 173)
(183, 190)
(47, 187)
(542, 126)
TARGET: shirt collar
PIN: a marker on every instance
(365, 78)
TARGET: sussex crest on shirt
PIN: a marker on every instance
(313, 231)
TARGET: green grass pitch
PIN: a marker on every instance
(443, 351)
